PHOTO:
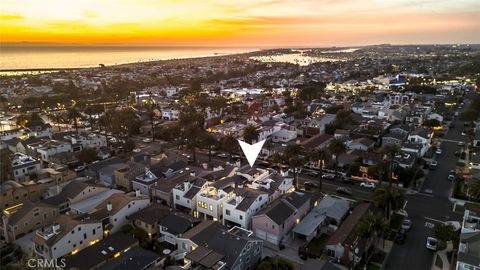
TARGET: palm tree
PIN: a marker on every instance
(229, 144)
(370, 227)
(293, 155)
(151, 118)
(210, 141)
(390, 151)
(390, 199)
(57, 119)
(74, 115)
(250, 134)
(336, 148)
(318, 156)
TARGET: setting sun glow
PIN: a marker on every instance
(238, 22)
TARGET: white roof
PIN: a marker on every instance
(89, 204)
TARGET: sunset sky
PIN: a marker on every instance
(272, 23)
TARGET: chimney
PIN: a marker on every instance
(137, 193)
(109, 206)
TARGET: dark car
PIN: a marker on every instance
(312, 184)
(344, 191)
(400, 237)
(312, 173)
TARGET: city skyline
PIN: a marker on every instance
(277, 23)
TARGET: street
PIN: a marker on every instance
(429, 207)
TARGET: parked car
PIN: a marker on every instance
(329, 176)
(402, 212)
(312, 184)
(432, 243)
(147, 140)
(311, 173)
(137, 150)
(222, 155)
(451, 175)
(344, 191)
(80, 168)
(367, 184)
(400, 237)
(439, 151)
(433, 165)
(406, 224)
(460, 144)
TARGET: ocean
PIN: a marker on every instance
(15, 58)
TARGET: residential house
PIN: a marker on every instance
(319, 141)
(344, 245)
(101, 252)
(185, 194)
(210, 245)
(329, 212)
(145, 181)
(210, 200)
(73, 192)
(26, 217)
(174, 225)
(66, 235)
(361, 144)
(10, 134)
(468, 256)
(284, 136)
(149, 217)
(49, 149)
(114, 210)
(239, 209)
(393, 138)
(24, 167)
(273, 223)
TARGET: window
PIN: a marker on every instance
(79, 228)
(74, 245)
(73, 231)
(227, 212)
(81, 242)
(85, 236)
(69, 241)
(331, 253)
(115, 220)
(93, 231)
(257, 250)
(26, 224)
(44, 216)
(177, 197)
(241, 217)
(210, 207)
(202, 204)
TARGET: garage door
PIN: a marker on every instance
(261, 234)
(272, 238)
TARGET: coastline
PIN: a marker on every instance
(177, 55)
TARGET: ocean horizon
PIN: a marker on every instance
(24, 58)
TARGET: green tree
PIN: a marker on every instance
(336, 148)
(293, 156)
(5, 165)
(389, 199)
(129, 145)
(370, 227)
(431, 123)
(250, 134)
(87, 155)
(318, 156)
(209, 141)
(74, 116)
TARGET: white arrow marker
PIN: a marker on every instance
(251, 151)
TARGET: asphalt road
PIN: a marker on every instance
(429, 207)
